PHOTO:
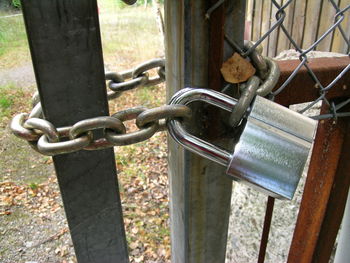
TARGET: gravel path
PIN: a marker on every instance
(22, 76)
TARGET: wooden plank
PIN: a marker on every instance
(249, 20)
(64, 40)
(265, 24)
(312, 18)
(329, 168)
(338, 44)
(299, 22)
(273, 37)
(283, 42)
(326, 21)
(257, 20)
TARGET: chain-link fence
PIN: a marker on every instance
(304, 27)
(303, 31)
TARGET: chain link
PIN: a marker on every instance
(120, 82)
(129, 2)
(244, 101)
(138, 77)
(46, 139)
(262, 84)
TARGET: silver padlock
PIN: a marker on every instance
(271, 151)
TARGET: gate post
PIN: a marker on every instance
(200, 191)
(65, 45)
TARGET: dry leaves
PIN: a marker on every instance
(237, 69)
(144, 192)
(143, 182)
(37, 198)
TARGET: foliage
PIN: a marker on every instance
(33, 186)
(16, 3)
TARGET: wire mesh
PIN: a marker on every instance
(288, 29)
(305, 27)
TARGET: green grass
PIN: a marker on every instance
(129, 35)
(7, 100)
(12, 99)
(13, 41)
(33, 186)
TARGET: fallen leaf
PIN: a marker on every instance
(237, 69)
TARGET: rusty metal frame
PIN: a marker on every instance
(328, 179)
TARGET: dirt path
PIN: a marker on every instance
(30, 230)
(22, 76)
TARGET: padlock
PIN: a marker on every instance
(271, 151)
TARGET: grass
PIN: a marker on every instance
(6, 102)
(13, 41)
(129, 35)
(11, 100)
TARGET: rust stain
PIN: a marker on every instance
(326, 168)
(299, 89)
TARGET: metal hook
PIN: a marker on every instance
(213, 8)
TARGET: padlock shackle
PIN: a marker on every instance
(190, 142)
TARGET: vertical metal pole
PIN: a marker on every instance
(343, 249)
(200, 191)
(64, 39)
(325, 193)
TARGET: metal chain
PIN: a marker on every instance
(140, 76)
(129, 2)
(262, 84)
(46, 139)
(120, 82)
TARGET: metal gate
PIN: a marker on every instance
(66, 50)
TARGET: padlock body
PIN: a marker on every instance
(273, 148)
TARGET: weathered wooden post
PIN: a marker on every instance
(65, 45)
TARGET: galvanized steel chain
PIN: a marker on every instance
(137, 77)
(45, 138)
(140, 76)
(262, 84)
